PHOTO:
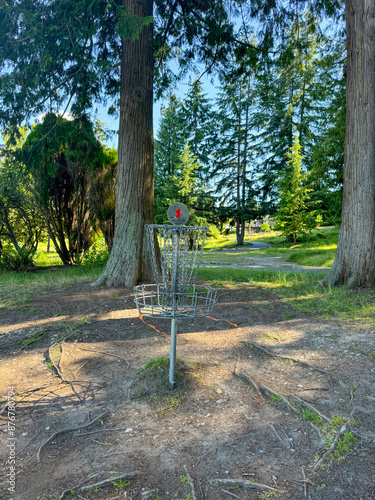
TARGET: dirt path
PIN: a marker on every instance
(216, 437)
(272, 264)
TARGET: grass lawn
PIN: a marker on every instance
(301, 290)
(318, 250)
(44, 258)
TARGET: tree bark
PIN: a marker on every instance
(354, 264)
(129, 261)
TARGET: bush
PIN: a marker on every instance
(265, 228)
(10, 260)
(213, 232)
(97, 255)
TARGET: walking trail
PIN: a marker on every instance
(264, 263)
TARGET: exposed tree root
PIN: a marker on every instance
(105, 482)
(230, 494)
(58, 370)
(248, 380)
(191, 483)
(296, 361)
(310, 407)
(279, 437)
(275, 396)
(322, 440)
(68, 429)
(330, 449)
(243, 484)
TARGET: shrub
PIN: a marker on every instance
(10, 260)
(97, 255)
(213, 232)
(265, 228)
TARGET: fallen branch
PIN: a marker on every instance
(243, 484)
(274, 355)
(330, 449)
(68, 429)
(191, 483)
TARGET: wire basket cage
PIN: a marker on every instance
(181, 249)
(156, 301)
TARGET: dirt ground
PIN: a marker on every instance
(235, 429)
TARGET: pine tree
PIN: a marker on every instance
(295, 214)
(199, 127)
(232, 161)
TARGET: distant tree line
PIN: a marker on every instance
(242, 143)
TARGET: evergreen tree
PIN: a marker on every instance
(232, 161)
(198, 119)
(288, 98)
(62, 156)
(295, 214)
(171, 140)
(185, 186)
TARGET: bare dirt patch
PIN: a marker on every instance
(85, 416)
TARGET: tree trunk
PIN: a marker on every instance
(129, 261)
(354, 264)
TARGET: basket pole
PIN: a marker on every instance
(172, 359)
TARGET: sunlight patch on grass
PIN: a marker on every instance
(18, 288)
(303, 292)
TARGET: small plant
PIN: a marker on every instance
(184, 480)
(343, 446)
(274, 398)
(311, 416)
(121, 483)
(95, 490)
(50, 365)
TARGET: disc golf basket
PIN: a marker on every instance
(175, 295)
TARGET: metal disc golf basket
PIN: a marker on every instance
(175, 295)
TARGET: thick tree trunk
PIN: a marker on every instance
(354, 264)
(129, 262)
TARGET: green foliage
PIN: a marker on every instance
(62, 157)
(265, 228)
(102, 197)
(129, 26)
(311, 416)
(153, 364)
(11, 260)
(183, 186)
(295, 214)
(184, 480)
(121, 483)
(98, 255)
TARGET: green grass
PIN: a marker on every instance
(44, 258)
(19, 288)
(319, 249)
(302, 291)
